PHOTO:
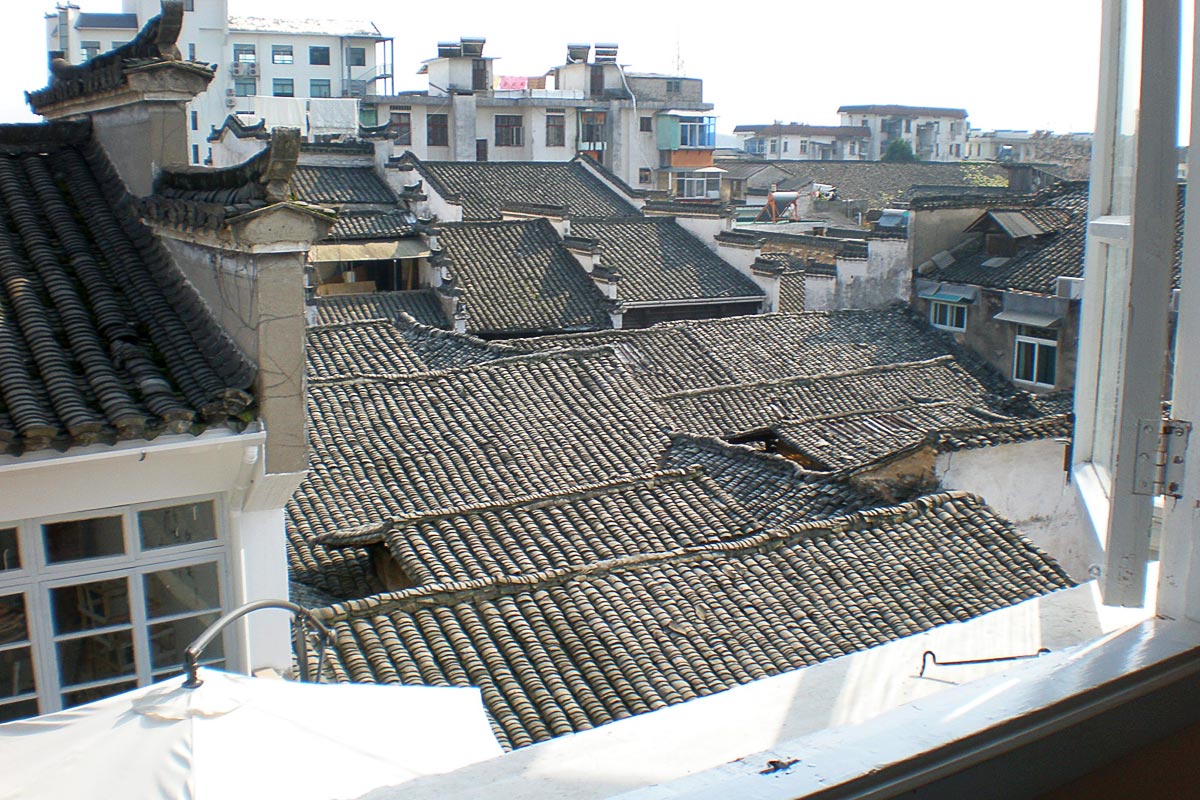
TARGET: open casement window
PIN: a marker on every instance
(1122, 356)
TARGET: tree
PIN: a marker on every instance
(898, 150)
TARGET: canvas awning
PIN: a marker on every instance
(369, 251)
(1038, 319)
(950, 294)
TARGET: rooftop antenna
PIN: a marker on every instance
(678, 55)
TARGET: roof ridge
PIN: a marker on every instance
(771, 538)
(800, 379)
(374, 532)
(540, 356)
(864, 412)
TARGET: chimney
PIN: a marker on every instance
(135, 96)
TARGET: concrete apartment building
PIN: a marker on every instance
(652, 131)
(261, 63)
(798, 142)
(935, 134)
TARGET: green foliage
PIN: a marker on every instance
(898, 150)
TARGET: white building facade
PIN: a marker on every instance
(255, 58)
(934, 134)
(796, 142)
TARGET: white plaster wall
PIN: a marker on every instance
(1025, 482)
(820, 292)
(230, 150)
(260, 573)
(705, 229)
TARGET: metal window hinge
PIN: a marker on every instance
(1161, 447)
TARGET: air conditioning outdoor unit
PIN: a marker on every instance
(252, 70)
(230, 102)
(229, 92)
(237, 69)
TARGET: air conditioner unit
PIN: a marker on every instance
(252, 70)
(230, 102)
(237, 69)
(229, 92)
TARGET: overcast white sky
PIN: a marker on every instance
(1029, 64)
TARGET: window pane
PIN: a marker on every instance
(83, 538)
(318, 56)
(18, 710)
(1125, 142)
(88, 606)
(175, 525)
(1047, 363)
(177, 591)
(356, 56)
(16, 672)
(95, 693)
(10, 553)
(1024, 365)
(168, 640)
(94, 658)
(12, 619)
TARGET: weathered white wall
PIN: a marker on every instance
(1025, 482)
(884, 278)
(230, 150)
(820, 292)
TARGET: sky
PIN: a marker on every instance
(1021, 64)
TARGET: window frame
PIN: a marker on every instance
(320, 87)
(556, 130)
(507, 134)
(352, 58)
(277, 83)
(244, 54)
(38, 577)
(282, 54)
(402, 125)
(950, 309)
(315, 49)
(1039, 344)
(437, 124)
(245, 83)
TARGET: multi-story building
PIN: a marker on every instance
(1071, 152)
(255, 58)
(652, 131)
(935, 134)
(796, 142)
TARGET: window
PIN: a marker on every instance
(785, 146)
(283, 87)
(864, 122)
(695, 185)
(402, 126)
(592, 125)
(191, 51)
(189, 5)
(244, 54)
(556, 130)
(1035, 356)
(116, 44)
(437, 133)
(318, 87)
(195, 154)
(646, 124)
(774, 145)
(644, 175)
(318, 56)
(948, 316)
(698, 132)
(195, 121)
(93, 606)
(245, 87)
(908, 126)
(368, 116)
(509, 132)
(854, 148)
(281, 54)
(89, 49)
(674, 86)
(356, 56)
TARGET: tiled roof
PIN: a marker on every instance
(483, 187)
(391, 224)
(518, 279)
(420, 304)
(908, 111)
(101, 336)
(745, 407)
(563, 650)
(702, 353)
(791, 291)
(151, 49)
(381, 348)
(322, 184)
(657, 260)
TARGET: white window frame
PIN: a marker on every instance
(950, 309)
(1039, 344)
(282, 54)
(37, 578)
(1128, 384)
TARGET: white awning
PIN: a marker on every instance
(1038, 319)
(369, 251)
(950, 294)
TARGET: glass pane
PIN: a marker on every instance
(1047, 361)
(94, 658)
(168, 640)
(83, 538)
(12, 619)
(10, 554)
(18, 710)
(1112, 355)
(1024, 368)
(16, 672)
(177, 591)
(1125, 143)
(88, 606)
(95, 693)
(165, 527)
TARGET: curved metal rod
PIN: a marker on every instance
(191, 654)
